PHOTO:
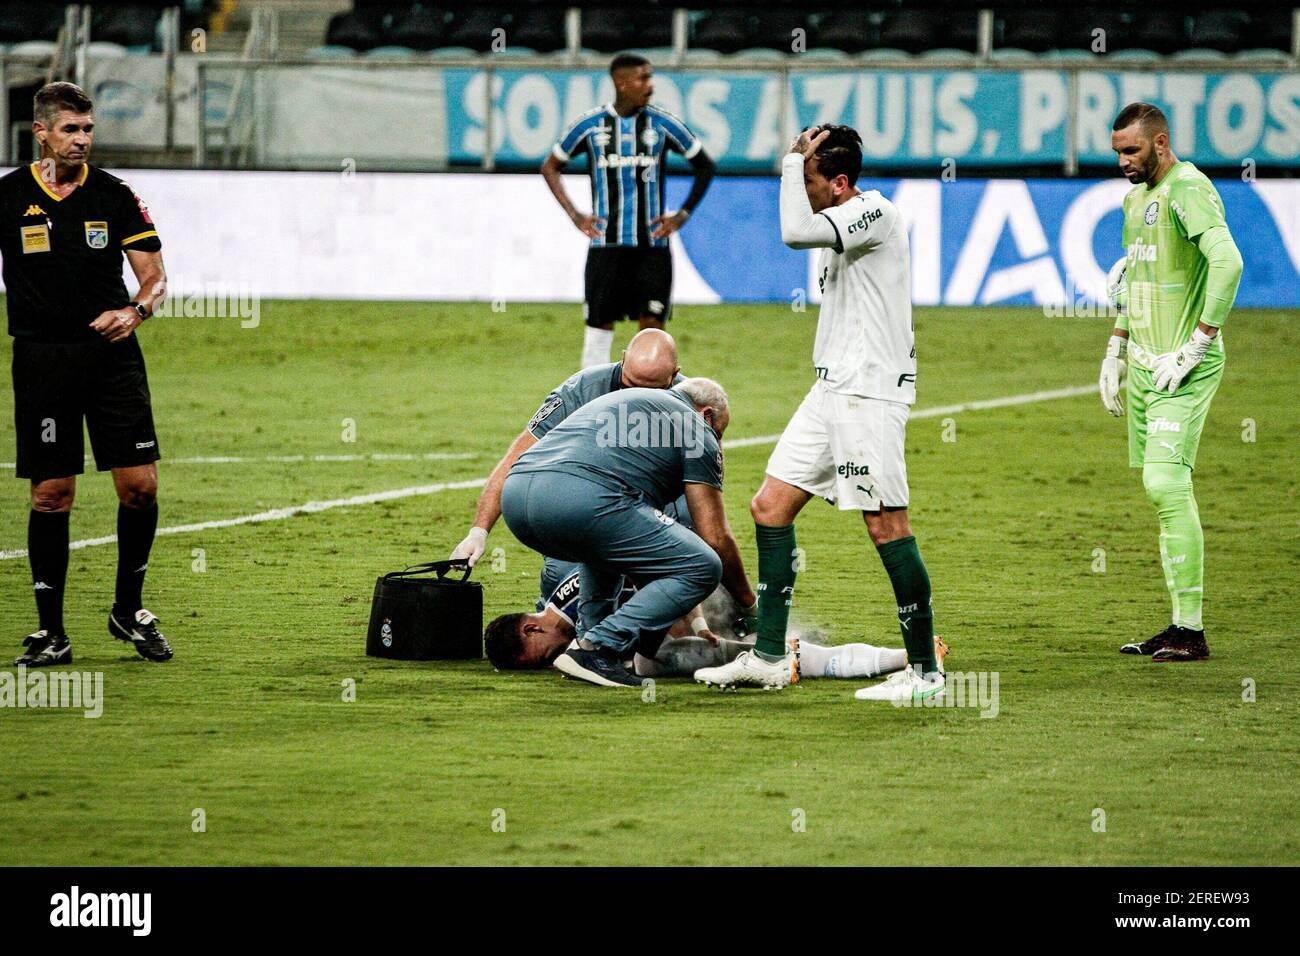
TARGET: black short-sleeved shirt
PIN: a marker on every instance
(63, 257)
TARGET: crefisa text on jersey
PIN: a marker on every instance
(73, 909)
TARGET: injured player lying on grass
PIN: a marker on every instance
(523, 641)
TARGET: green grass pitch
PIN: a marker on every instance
(248, 723)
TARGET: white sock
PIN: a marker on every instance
(686, 655)
(849, 660)
(596, 345)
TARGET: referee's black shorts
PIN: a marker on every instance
(628, 282)
(57, 384)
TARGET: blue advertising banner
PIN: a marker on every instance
(980, 241)
(908, 118)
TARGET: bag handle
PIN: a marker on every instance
(441, 568)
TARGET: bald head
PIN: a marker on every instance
(650, 360)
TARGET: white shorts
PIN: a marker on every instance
(846, 449)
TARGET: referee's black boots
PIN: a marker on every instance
(44, 650)
(141, 630)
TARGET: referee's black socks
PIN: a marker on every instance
(47, 551)
(135, 531)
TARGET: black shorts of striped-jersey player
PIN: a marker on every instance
(418, 617)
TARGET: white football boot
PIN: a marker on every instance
(905, 686)
(748, 669)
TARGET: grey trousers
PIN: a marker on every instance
(612, 535)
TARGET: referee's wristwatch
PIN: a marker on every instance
(140, 310)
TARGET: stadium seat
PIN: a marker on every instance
(1026, 30)
(1011, 53)
(130, 25)
(1161, 34)
(20, 22)
(331, 52)
(699, 55)
(914, 31)
(389, 53)
(829, 54)
(846, 29)
(949, 54)
(609, 29)
(1069, 55)
(474, 28)
(760, 54)
(1134, 56)
(452, 53)
(884, 55)
(1221, 30)
(1271, 27)
(420, 28)
(775, 29)
(726, 31)
(105, 50)
(1077, 26)
(33, 48)
(1200, 53)
(541, 28)
(353, 29)
(1262, 57)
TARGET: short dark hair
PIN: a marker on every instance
(1148, 114)
(625, 60)
(840, 154)
(503, 643)
(52, 98)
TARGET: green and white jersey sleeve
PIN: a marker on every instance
(1166, 272)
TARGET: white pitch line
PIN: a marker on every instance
(294, 459)
(311, 507)
(937, 411)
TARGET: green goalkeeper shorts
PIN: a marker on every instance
(1164, 427)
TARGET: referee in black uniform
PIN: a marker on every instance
(64, 226)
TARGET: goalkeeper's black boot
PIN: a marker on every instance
(141, 629)
(1183, 645)
(45, 649)
(1151, 645)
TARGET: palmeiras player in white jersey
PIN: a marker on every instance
(845, 443)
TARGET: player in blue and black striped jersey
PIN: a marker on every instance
(629, 268)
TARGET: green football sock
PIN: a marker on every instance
(776, 563)
(902, 559)
(1182, 544)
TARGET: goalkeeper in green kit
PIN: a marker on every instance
(1173, 288)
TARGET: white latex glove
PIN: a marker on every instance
(472, 547)
(1114, 375)
(1172, 367)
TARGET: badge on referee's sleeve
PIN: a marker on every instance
(97, 235)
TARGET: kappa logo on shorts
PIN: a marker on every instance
(97, 235)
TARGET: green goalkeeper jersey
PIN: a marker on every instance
(1166, 273)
